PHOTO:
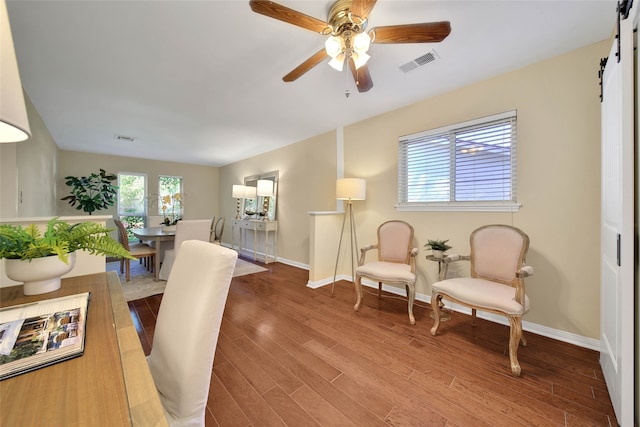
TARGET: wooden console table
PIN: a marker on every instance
(110, 384)
(240, 226)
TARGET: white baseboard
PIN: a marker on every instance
(556, 334)
(545, 331)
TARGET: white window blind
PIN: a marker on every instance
(471, 164)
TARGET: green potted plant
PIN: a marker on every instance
(438, 247)
(39, 259)
(93, 192)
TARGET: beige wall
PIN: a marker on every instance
(28, 170)
(199, 182)
(304, 170)
(558, 182)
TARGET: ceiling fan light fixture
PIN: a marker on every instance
(337, 62)
(359, 59)
(361, 43)
(334, 46)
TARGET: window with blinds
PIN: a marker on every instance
(469, 165)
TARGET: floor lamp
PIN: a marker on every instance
(349, 189)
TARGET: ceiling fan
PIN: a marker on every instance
(348, 41)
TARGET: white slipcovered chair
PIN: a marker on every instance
(395, 264)
(187, 329)
(496, 284)
(195, 229)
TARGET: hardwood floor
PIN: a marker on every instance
(292, 356)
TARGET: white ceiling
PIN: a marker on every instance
(201, 81)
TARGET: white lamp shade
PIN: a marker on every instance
(359, 59)
(250, 192)
(337, 63)
(265, 187)
(361, 42)
(239, 191)
(14, 122)
(333, 46)
(351, 189)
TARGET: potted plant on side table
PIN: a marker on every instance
(438, 247)
(40, 259)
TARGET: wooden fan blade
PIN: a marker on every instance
(429, 32)
(362, 8)
(361, 77)
(283, 13)
(305, 66)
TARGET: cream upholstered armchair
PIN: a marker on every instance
(496, 284)
(395, 264)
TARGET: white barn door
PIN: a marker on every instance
(617, 227)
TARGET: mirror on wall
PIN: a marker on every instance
(253, 208)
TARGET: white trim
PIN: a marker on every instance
(340, 162)
(44, 219)
(556, 334)
(467, 123)
(459, 207)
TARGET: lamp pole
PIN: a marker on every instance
(353, 240)
(349, 189)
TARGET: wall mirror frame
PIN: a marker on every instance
(252, 208)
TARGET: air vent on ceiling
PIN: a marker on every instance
(125, 138)
(419, 62)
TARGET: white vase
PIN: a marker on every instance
(168, 228)
(437, 254)
(39, 275)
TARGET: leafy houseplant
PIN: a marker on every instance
(439, 247)
(39, 259)
(60, 238)
(92, 193)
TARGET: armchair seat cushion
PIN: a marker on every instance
(382, 271)
(483, 293)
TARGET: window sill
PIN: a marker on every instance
(459, 207)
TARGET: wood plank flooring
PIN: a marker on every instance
(292, 356)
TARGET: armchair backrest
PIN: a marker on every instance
(394, 241)
(497, 252)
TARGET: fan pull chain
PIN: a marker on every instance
(346, 73)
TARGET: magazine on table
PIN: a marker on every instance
(39, 334)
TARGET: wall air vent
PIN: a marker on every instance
(125, 138)
(419, 61)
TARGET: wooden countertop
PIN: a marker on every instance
(110, 384)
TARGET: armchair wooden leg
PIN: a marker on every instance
(358, 286)
(435, 305)
(379, 289)
(473, 317)
(411, 294)
(514, 341)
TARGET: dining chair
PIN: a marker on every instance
(187, 328)
(496, 284)
(395, 263)
(217, 231)
(195, 229)
(139, 250)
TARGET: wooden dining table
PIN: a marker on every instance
(109, 385)
(157, 235)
